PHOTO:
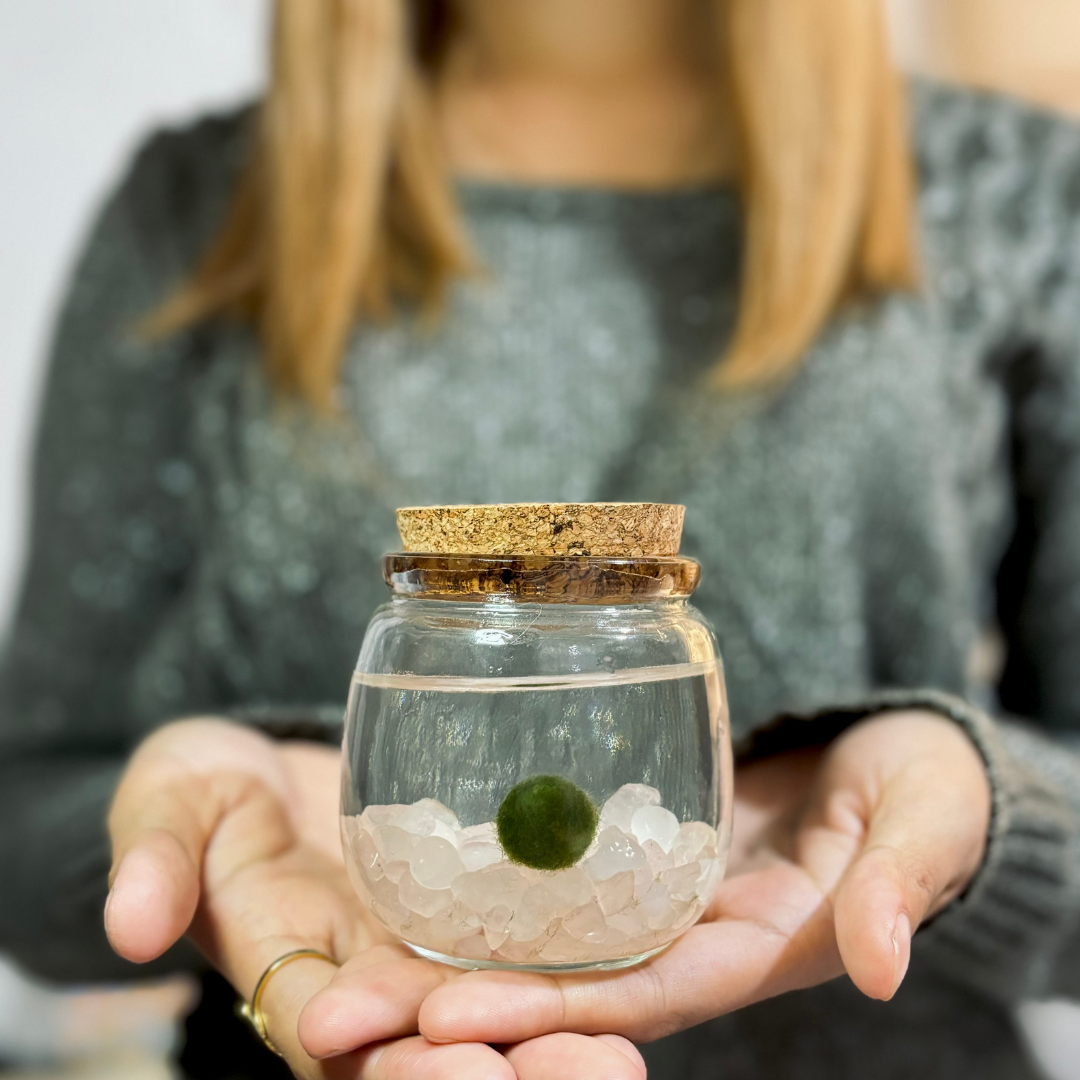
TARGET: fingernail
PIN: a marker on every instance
(901, 943)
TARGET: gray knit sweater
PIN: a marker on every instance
(197, 549)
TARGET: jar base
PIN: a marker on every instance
(549, 969)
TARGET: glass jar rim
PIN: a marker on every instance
(551, 579)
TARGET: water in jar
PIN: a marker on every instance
(430, 760)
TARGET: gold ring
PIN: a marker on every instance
(253, 1013)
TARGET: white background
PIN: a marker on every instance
(80, 82)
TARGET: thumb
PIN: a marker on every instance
(159, 836)
(924, 842)
(170, 803)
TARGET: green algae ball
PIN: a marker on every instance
(546, 822)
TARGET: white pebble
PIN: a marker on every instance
(395, 870)
(655, 907)
(485, 889)
(643, 880)
(444, 830)
(568, 889)
(440, 812)
(615, 893)
(394, 843)
(657, 858)
(615, 852)
(358, 840)
(560, 947)
(383, 815)
(435, 862)
(452, 923)
(629, 922)
(532, 915)
(473, 947)
(388, 906)
(518, 952)
(586, 923)
(655, 823)
(423, 901)
(682, 881)
(478, 854)
(693, 838)
(417, 820)
(496, 925)
(619, 810)
(483, 834)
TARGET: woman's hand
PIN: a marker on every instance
(222, 834)
(837, 856)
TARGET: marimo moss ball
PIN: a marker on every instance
(546, 822)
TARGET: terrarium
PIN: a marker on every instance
(537, 767)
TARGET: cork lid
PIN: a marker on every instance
(611, 530)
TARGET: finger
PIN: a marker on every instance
(600, 1057)
(251, 924)
(713, 968)
(153, 897)
(627, 1048)
(293, 986)
(411, 1058)
(417, 1059)
(925, 839)
(906, 866)
(374, 997)
(284, 995)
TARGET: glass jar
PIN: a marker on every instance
(537, 766)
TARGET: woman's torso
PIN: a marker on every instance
(848, 523)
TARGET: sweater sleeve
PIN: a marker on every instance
(1004, 180)
(1017, 931)
(111, 549)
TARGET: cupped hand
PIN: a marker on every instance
(837, 856)
(231, 838)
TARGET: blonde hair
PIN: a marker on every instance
(346, 204)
